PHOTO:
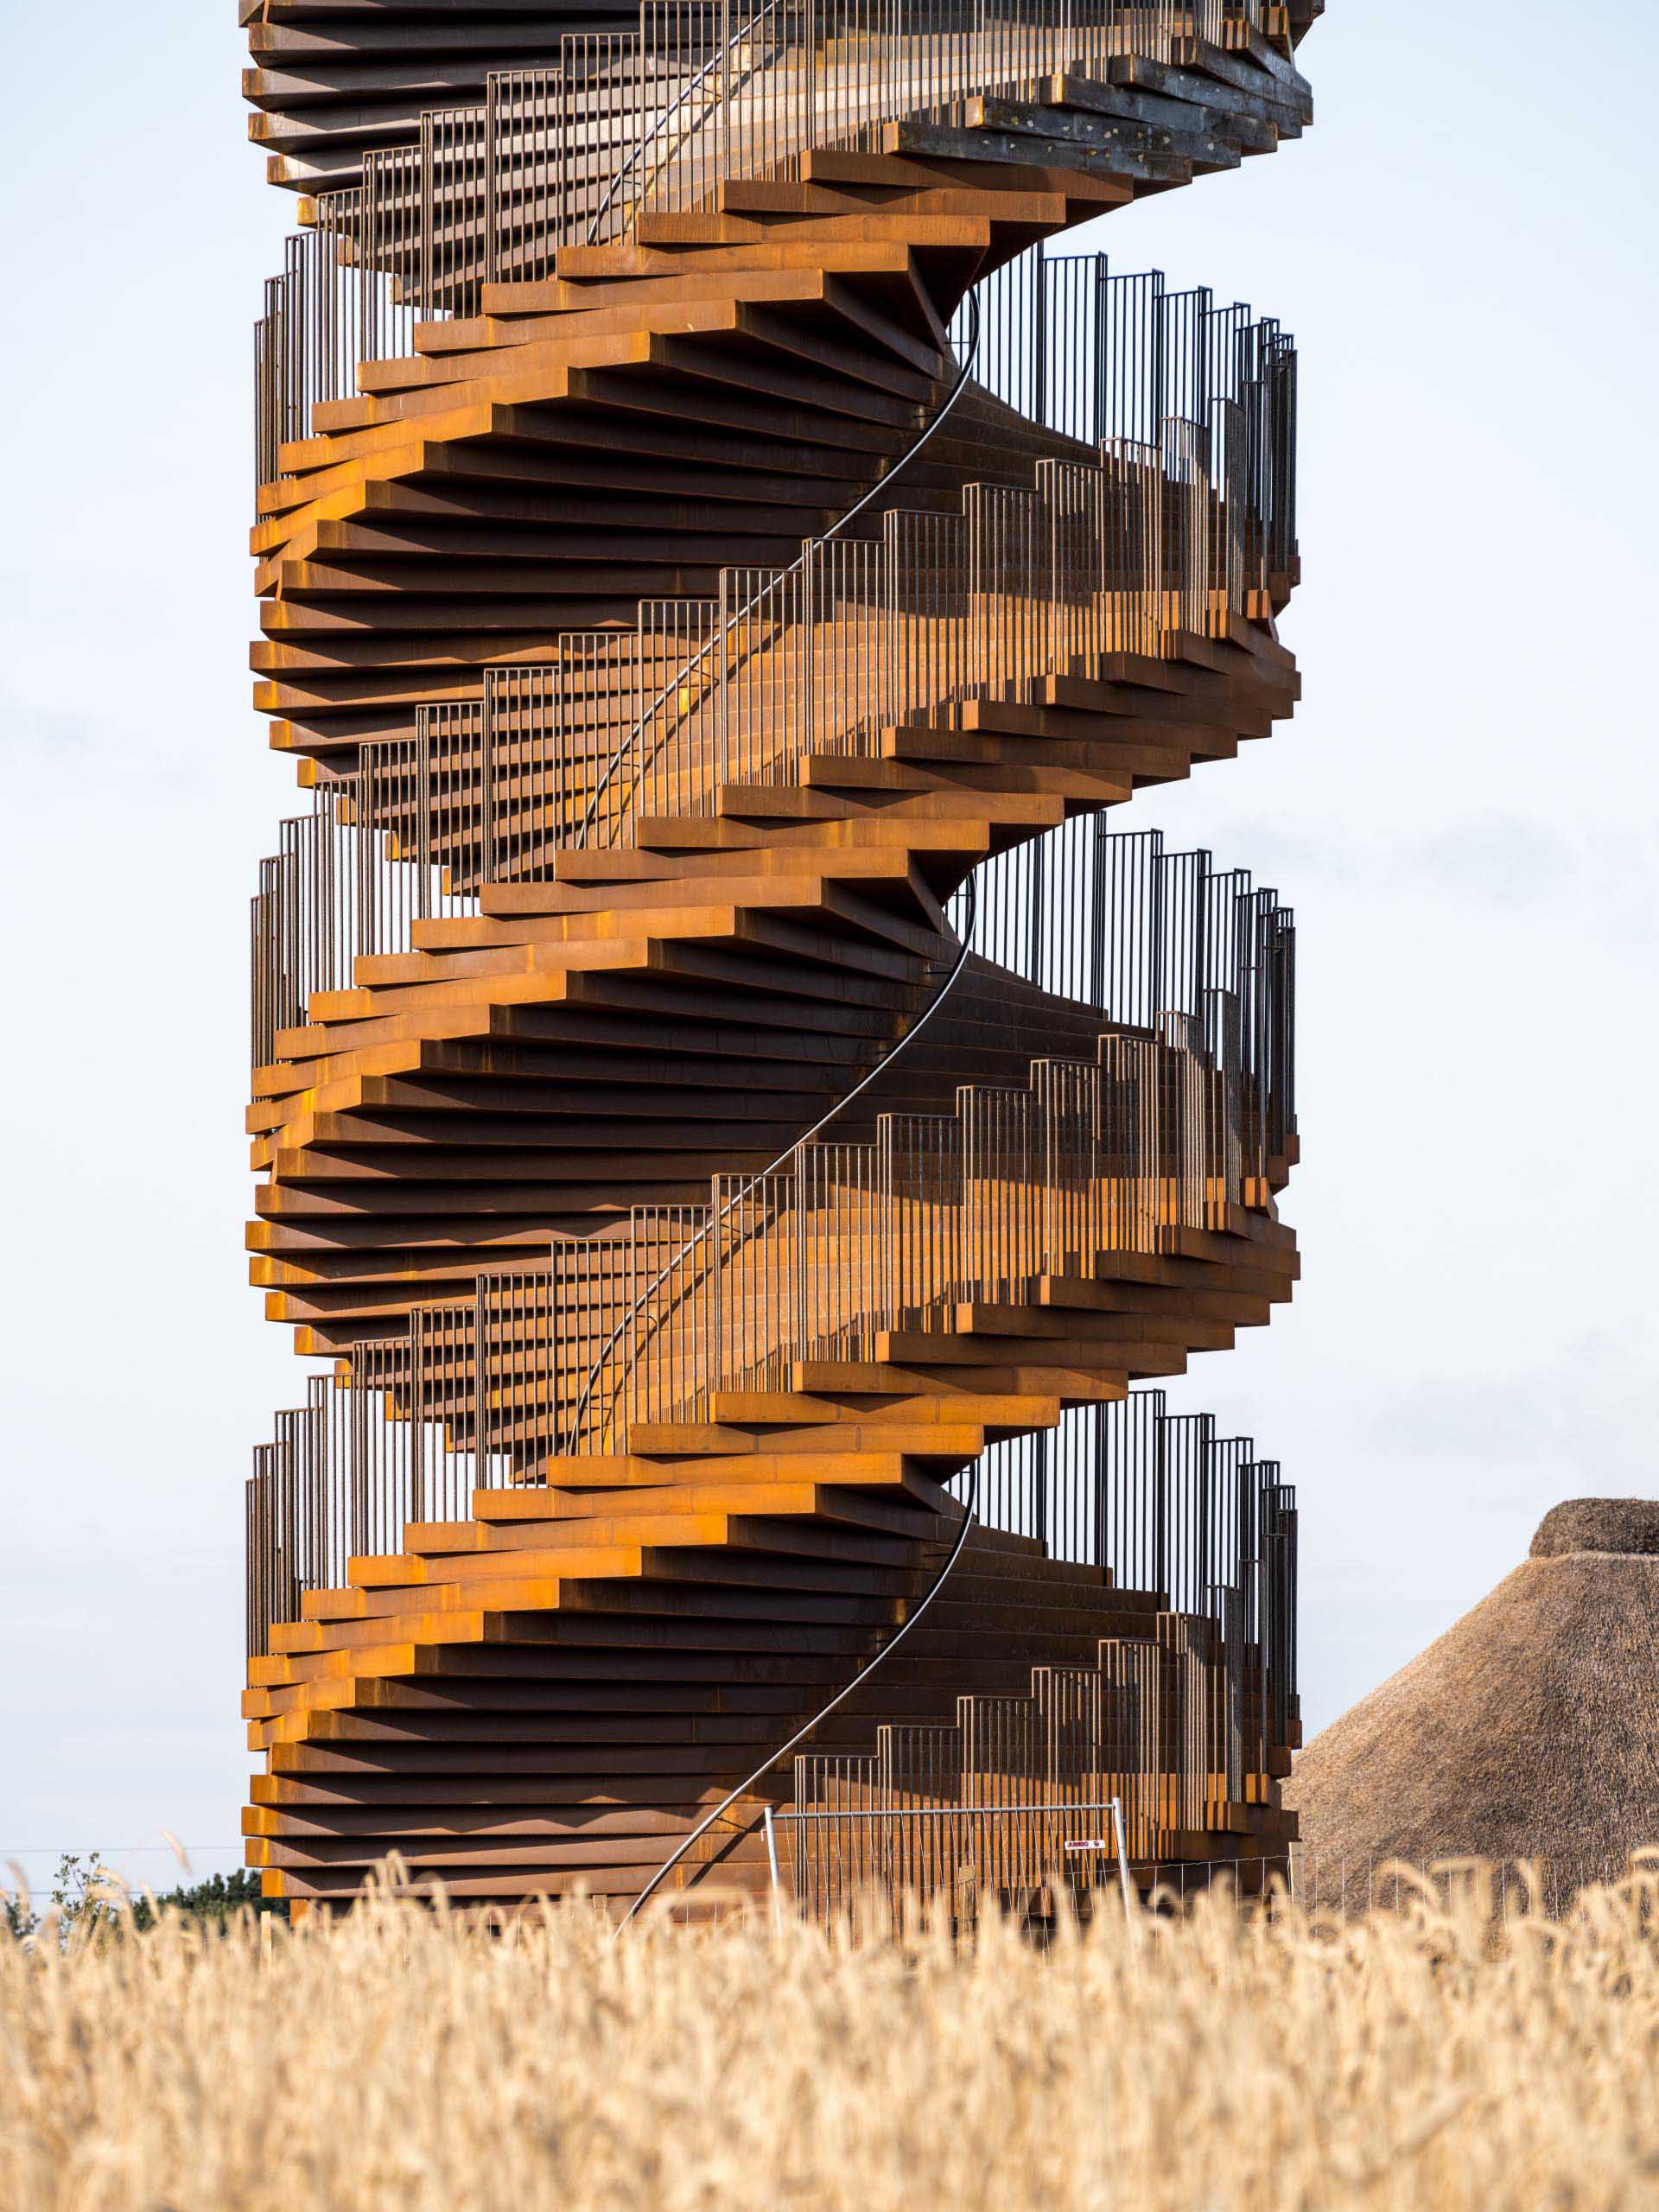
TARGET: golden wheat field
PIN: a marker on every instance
(406, 2062)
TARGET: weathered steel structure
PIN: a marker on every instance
(733, 1117)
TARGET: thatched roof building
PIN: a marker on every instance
(1530, 1730)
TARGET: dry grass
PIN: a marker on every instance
(404, 2063)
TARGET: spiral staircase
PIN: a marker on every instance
(720, 1087)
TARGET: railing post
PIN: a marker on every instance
(718, 679)
(810, 70)
(1125, 1886)
(481, 1393)
(417, 1417)
(717, 1303)
(774, 1878)
(360, 1520)
(488, 257)
(426, 241)
(422, 823)
(724, 95)
(1098, 429)
(487, 834)
(807, 687)
(1040, 337)
(796, 1336)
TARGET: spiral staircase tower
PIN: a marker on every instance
(734, 1117)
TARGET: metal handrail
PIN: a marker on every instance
(970, 1505)
(969, 1513)
(1190, 969)
(298, 367)
(667, 116)
(744, 31)
(677, 681)
(965, 947)
(972, 894)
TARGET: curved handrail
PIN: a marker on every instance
(595, 1371)
(760, 1174)
(678, 679)
(645, 144)
(970, 1515)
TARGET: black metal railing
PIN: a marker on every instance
(1186, 1113)
(1180, 1719)
(1163, 1502)
(1113, 361)
(1184, 527)
(625, 124)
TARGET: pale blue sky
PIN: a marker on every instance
(1463, 814)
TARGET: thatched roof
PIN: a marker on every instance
(1530, 1730)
